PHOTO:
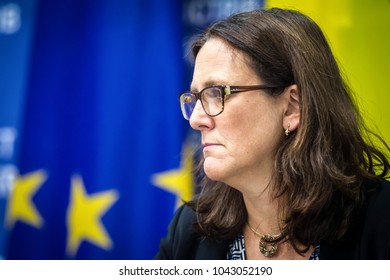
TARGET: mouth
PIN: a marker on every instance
(205, 145)
(208, 147)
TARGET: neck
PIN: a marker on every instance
(263, 213)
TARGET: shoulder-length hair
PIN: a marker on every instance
(319, 168)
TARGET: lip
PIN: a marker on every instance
(208, 147)
(209, 144)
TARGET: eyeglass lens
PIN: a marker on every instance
(211, 99)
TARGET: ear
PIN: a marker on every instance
(292, 115)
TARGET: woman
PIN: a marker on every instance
(290, 170)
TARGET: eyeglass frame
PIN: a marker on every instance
(226, 90)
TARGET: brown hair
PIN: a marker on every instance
(320, 167)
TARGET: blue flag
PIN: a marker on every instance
(16, 25)
(102, 158)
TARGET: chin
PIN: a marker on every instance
(214, 171)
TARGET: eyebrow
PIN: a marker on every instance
(208, 83)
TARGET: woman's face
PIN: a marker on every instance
(239, 144)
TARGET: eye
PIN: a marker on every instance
(213, 93)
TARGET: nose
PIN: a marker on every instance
(199, 120)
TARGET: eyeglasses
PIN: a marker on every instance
(213, 98)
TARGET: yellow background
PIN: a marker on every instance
(359, 34)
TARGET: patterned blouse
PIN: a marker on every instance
(236, 250)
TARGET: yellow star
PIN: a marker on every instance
(178, 181)
(84, 214)
(20, 205)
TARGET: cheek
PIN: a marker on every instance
(255, 131)
(251, 123)
(244, 125)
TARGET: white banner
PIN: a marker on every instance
(207, 270)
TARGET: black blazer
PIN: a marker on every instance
(367, 238)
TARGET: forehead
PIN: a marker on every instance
(218, 63)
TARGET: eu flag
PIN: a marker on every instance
(102, 157)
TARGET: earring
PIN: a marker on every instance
(287, 131)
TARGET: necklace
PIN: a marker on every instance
(266, 239)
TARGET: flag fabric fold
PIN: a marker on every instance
(100, 119)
